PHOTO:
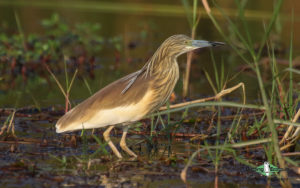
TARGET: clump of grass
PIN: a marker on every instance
(89, 158)
(85, 160)
(63, 160)
(292, 133)
(271, 109)
(66, 91)
(8, 127)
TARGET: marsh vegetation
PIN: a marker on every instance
(233, 108)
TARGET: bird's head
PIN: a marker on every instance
(180, 44)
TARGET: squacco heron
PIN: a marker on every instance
(132, 97)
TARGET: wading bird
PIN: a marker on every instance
(132, 97)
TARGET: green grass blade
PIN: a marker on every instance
(72, 81)
(206, 104)
(291, 65)
(289, 160)
(66, 74)
(279, 121)
(292, 70)
(87, 86)
(210, 82)
(195, 2)
(215, 70)
(20, 29)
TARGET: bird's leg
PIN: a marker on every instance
(123, 143)
(111, 145)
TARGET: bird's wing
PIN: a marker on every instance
(124, 92)
(131, 79)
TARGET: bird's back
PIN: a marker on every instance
(118, 102)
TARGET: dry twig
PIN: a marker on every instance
(11, 125)
(218, 96)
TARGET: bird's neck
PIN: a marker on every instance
(160, 64)
(164, 73)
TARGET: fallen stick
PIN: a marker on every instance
(216, 97)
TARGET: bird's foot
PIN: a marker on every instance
(127, 150)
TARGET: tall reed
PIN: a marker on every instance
(193, 19)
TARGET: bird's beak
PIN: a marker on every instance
(203, 43)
